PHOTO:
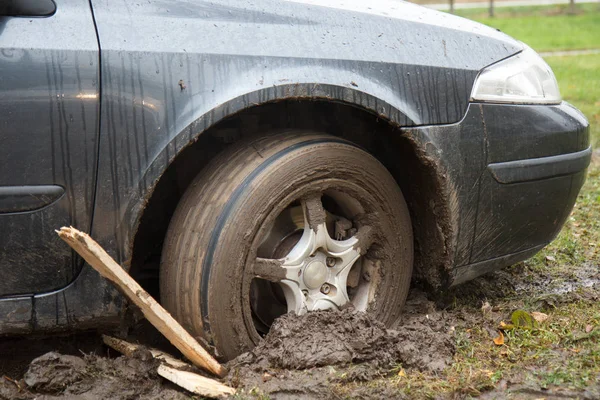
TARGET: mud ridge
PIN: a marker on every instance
(347, 341)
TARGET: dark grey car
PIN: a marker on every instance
(247, 159)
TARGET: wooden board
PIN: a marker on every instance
(195, 383)
(127, 348)
(99, 259)
(171, 370)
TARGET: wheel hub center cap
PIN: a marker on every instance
(315, 274)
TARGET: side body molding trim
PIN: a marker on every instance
(15, 199)
(540, 168)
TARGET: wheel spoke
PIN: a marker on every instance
(341, 297)
(269, 269)
(365, 237)
(294, 297)
(314, 213)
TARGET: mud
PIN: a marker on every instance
(346, 337)
(59, 376)
(311, 355)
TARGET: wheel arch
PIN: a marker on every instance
(357, 116)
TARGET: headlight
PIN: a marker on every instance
(524, 78)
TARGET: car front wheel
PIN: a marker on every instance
(290, 222)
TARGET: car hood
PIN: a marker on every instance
(386, 31)
(406, 11)
(422, 27)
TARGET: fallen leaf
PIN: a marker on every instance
(401, 373)
(486, 310)
(539, 316)
(522, 319)
(506, 327)
(486, 307)
(487, 372)
(550, 258)
(588, 328)
(267, 377)
(499, 340)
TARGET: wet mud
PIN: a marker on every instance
(59, 376)
(335, 338)
(310, 355)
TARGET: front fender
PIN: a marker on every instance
(122, 199)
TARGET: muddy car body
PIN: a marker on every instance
(110, 109)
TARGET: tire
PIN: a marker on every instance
(254, 202)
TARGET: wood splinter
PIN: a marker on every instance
(99, 259)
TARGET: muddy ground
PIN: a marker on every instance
(301, 356)
(320, 355)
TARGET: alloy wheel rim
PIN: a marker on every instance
(313, 274)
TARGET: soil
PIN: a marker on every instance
(346, 337)
(59, 376)
(306, 355)
(302, 355)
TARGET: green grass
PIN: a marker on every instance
(545, 28)
(579, 80)
(563, 351)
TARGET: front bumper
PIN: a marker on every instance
(515, 172)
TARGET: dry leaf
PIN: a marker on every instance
(505, 327)
(539, 316)
(487, 372)
(499, 341)
(588, 328)
(401, 373)
(486, 309)
(267, 377)
(550, 258)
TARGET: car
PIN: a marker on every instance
(243, 160)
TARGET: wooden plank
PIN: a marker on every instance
(128, 349)
(195, 383)
(120, 345)
(169, 370)
(99, 259)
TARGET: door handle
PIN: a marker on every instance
(27, 8)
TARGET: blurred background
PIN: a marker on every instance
(565, 32)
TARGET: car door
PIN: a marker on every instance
(49, 99)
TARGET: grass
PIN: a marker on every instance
(548, 28)
(563, 351)
(579, 80)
